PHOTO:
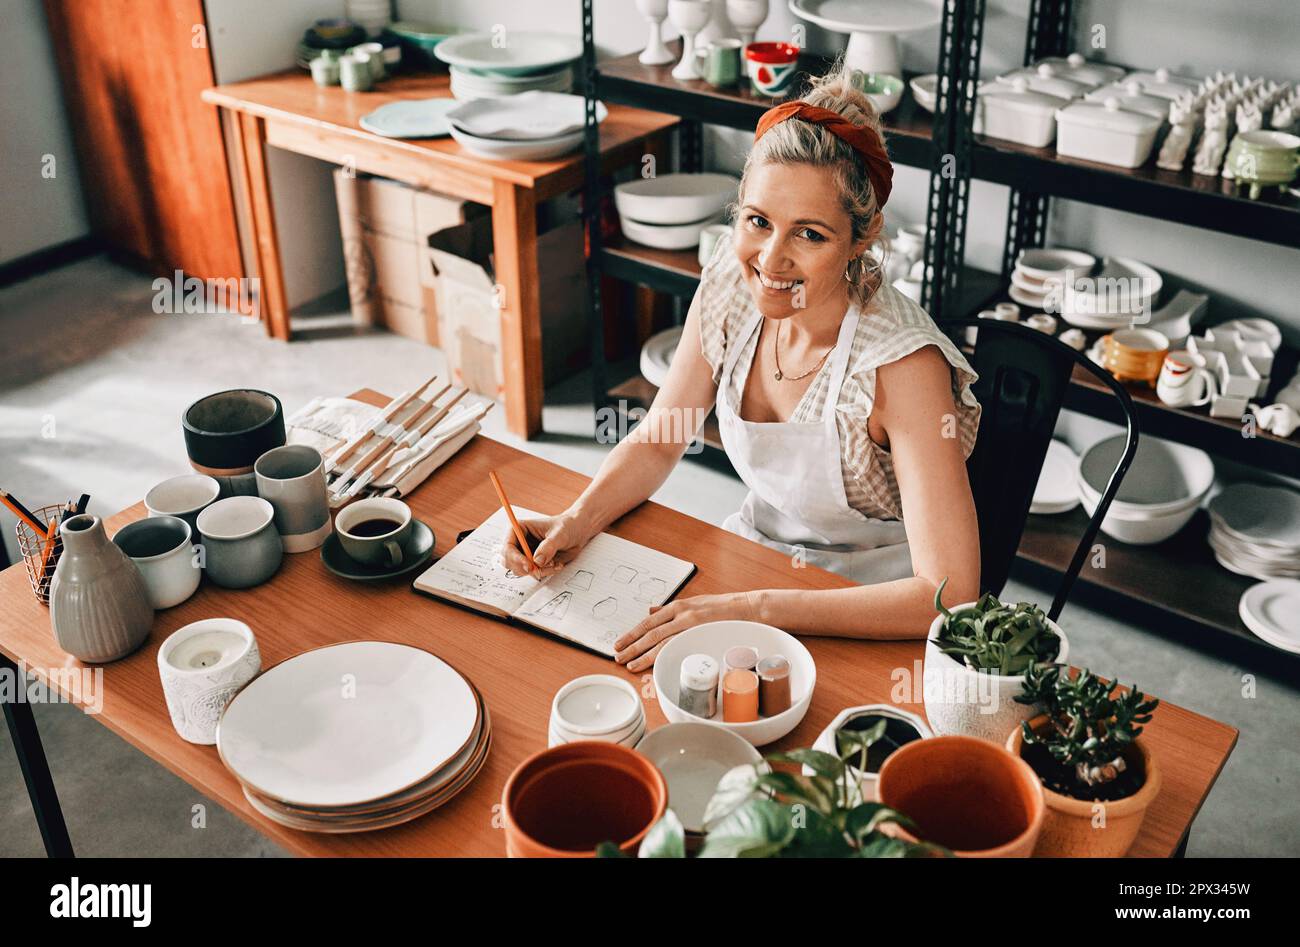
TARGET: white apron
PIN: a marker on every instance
(796, 501)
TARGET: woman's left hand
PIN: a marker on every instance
(640, 646)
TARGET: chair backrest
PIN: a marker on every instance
(1024, 376)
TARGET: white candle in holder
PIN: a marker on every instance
(203, 666)
(596, 707)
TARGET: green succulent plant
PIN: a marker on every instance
(991, 636)
(1090, 723)
(758, 813)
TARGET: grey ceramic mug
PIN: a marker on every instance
(385, 548)
(292, 480)
(240, 545)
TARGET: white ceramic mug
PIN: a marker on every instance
(185, 496)
(1042, 322)
(162, 548)
(709, 238)
(202, 666)
(1193, 388)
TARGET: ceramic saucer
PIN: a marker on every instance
(417, 553)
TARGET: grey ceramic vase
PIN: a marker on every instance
(99, 605)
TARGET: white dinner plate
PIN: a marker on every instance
(501, 150)
(529, 116)
(657, 355)
(1057, 490)
(510, 52)
(677, 198)
(1272, 611)
(415, 118)
(347, 724)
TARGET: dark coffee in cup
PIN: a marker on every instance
(375, 527)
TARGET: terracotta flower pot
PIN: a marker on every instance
(970, 796)
(1080, 828)
(564, 801)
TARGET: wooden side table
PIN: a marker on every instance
(287, 110)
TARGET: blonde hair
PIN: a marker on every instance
(799, 142)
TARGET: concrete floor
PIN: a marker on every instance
(87, 361)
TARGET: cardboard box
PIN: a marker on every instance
(420, 264)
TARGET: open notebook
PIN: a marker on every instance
(598, 597)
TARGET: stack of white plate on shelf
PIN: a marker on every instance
(1160, 492)
(657, 355)
(532, 126)
(1272, 611)
(669, 211)
(1255, 530)
(1057, 490)
(355, 737)
(486, 65)
(1069, 283)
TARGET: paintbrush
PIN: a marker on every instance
(372, 427)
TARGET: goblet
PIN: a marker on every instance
(747, 16)
(689, 16)
(655, 52)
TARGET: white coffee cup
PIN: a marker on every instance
(709, 238)
(1196, 387)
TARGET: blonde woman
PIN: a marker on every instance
(844, 409)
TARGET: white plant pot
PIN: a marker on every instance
(962, 701)
(826, 740)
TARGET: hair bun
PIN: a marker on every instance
(837, 91)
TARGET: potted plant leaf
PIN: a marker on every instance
(1098, 777)
(760, 813)
(864, 737)
(976, 656)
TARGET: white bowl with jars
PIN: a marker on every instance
(714, 639)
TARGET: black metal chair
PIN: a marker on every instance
(1024, 375)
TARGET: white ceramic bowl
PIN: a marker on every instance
(962, 700)
(675, 198)
(925, 89)
(693, 757)
(714, 638)
(540, 149)
(1044, 263)
(1139, 530)
(1164, 478)
(666, 236)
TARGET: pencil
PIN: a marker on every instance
(21, 512)
(49, 548)
(519, 530)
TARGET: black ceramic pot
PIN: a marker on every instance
(226, 432)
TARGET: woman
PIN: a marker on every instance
(843, 408)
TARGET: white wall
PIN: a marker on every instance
(250, 38)
(37, 211)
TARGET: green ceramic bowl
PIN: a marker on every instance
(885, 91)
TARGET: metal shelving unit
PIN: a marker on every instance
(945, 144)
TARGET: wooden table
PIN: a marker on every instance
(287, 110)
(518, 671)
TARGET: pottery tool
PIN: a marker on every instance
(514, 523)
(401, 467)
(382, 417)
(21, 512)
(394, 433)
(371, 467)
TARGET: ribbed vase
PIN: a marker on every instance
(99, 605)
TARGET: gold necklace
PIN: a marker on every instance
(776, 355)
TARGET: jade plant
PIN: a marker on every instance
(760, 813)
(1090, 723)
(991, 636)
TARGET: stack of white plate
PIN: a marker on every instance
(1119, 293)
(1057, 491)
(468, 84)
(1255, 530)
(485, 65)
(1272, 611)
(1159, 494)
(657, 355)
(355, 737)
(670, 210)
(532, 126)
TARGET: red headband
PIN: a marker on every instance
(862, 140)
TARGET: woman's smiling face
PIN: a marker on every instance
(793, 238)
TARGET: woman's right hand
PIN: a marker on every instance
(555, 541)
